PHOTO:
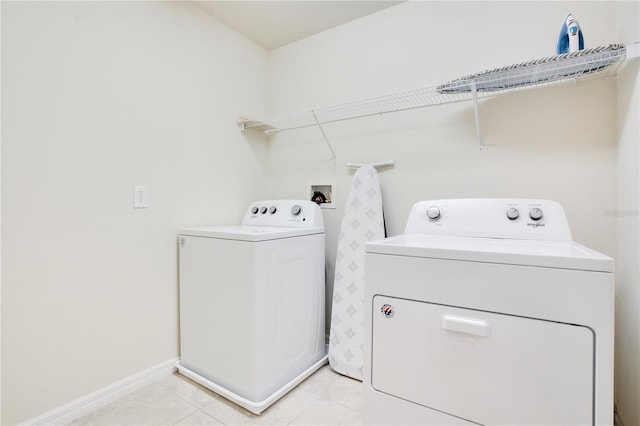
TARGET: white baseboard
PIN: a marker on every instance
(86, 404)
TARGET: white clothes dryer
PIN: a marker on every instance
(252, 302)
(486, 312)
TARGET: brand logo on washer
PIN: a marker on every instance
(387, 310)
(535, 224)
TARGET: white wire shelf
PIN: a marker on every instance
(590, 63)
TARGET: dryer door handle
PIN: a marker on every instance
(474, 326)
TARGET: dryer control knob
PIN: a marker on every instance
(433, 213)
(254, 210)
(296, 210)
(535, 213)
(273, 209)
(263, 209)
(513, 213)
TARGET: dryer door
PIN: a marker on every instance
(484, 367)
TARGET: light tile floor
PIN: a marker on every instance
(325, 398)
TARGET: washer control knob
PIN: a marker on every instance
(433, 213)
(254, 210)
(273, 209)
(263, 209)
(296, 210)
(513, 213)
(535, 213)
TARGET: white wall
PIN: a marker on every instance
(0, 220)
(557, 142)
(98, 97)
(627, 362)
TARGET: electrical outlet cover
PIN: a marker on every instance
(140, 197)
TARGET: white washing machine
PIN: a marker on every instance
(486, 312)
(252, 302)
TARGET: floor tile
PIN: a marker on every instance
(198, 418)
(320, 381)
(190, 391)
(324, 398)
(325, 412)
(282, 412)
(346, 391)
(151, 405)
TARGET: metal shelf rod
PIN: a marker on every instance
(387, 163)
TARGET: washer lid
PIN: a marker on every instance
(550, 254)
(249, 233)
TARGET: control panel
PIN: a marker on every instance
(291, 213)
(490, 218)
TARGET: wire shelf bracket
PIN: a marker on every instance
(476, 113)
(324, 135)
